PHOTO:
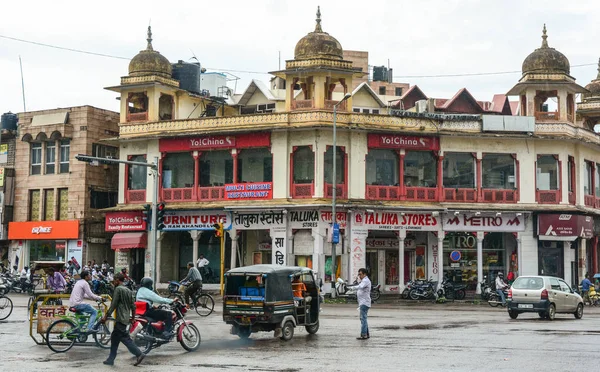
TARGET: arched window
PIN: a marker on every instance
(165, 107)
(304, 165)
(178, 170)
(420, 169)
(255, 165)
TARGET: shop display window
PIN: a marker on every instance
(328, 264)
(391, 267)
(305, 261)
(46, 250)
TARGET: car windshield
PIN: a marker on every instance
(528, 283)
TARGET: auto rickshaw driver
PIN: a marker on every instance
(298, 288)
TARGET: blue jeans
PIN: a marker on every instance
(501, 294)
(364, 326)
(88, 309)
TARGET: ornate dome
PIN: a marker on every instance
(150, 62)
(318, 44)
(594, 86)
(546, 60)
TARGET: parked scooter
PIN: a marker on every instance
(451, 291)
(423, 291)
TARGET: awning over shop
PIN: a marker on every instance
(129, 240)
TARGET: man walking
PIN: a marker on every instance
(194, 280)
(363, 295)
(585, 289)
(122, 302)
(81, 290)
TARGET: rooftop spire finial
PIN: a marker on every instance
(318, 26)
(544, 38)
(149, 39)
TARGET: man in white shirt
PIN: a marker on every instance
(501, 286)
(202, 261)
(81, 291)
(363, 294)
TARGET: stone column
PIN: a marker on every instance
(159, 239)
(440, 257)
(195, 234)
(401, 238)
(479, 261)
(357, 251)
(519, 255)
(581, 263)
(234, 238)
(318, 252)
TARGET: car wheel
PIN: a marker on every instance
(579, 312)
(551, 314)
(542, 315)
(513, 314)
(287, 332)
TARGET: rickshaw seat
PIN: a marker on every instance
(252, 293)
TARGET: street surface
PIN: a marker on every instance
(404, 336)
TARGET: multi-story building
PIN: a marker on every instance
(8, 132)
(59, 200)
(420, 194)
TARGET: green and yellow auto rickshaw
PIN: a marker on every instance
(271, 298)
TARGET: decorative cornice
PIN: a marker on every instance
(136, 80)
(318, 62)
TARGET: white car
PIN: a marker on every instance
(545, 295)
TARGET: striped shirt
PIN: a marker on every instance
(193, 275)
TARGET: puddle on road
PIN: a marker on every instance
(424, 326)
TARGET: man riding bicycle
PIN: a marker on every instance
(55, 282)
(146, 295)
(194, 280)
(81, 290)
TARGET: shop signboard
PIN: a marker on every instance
(43, 230)
(399, 141)
(382, 220)
(389, 243)
(259, 220)
(4, 153)
(48, 314)
(196, 220)
(506, 222)
(249, 191)
(214, 142)
(305, 219)
(565, 226)
(1, 177)
(124, 221)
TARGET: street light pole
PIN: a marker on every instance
(334, 194)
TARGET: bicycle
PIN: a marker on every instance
(203, 303)
(6, 307)
(63, 333)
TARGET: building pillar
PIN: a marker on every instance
(317, 252)
(234, 238)
(582, 267)
(381, 268)
(291, 257)
(159, 239)
(440, 257)
(401, 238)
(595, 255)
(519, 255)
(480, 237)
(195, 234)
(358, 248)
(278, 246)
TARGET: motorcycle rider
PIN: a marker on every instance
(147, 295)
(501, 286)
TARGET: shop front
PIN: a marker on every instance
(260, 238)
(563, 244)
(46, 241)
(129, 242)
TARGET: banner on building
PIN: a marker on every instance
(124, 221)
(249, 191)
(382, 220)
(565, 226)
(507, 222)
(259, 220)
(304, 219)
(196, 220)
(399, 141)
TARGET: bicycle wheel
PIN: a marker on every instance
(102, 337)
(61, 335)
(6, 307)
(205, 304)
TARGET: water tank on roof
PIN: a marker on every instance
(9, 121)
(188, 75)
(380, 73)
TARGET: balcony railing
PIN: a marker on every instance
(340, 190)
(572, 198)
(376, 192)
(303, 190)
(211, 193)
(302, 104)
(178, 194)
(589, 201)
(137, 116)
(499, 196)
(136, 196)
(422, 193)
(330, 103)
(547, 196)
(542, 116)
(460, 195)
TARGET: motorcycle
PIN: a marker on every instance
(486, 289)
(494, 299)
(147, 333)
(423, 291)
(343, 289)
(451, 291)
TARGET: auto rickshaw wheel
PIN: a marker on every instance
(312, 329)
(287, 332)
(244, 332)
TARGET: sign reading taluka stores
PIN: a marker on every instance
(124, 221)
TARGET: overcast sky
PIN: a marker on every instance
(425, 37)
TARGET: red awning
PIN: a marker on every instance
(129, 240)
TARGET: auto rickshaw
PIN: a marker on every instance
(271, 298)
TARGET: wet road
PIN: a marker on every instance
(425, 337)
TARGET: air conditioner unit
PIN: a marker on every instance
(421, 106)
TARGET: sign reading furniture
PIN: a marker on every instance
(43, 230)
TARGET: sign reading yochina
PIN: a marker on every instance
(397, 221)
(196, 220)
(508, 222)
(124, 221)
(398, 141)
(214, 142)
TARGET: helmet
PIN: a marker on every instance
(500, 274)
(123, 269)
(146, 282)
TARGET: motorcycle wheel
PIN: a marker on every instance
(405, 294)
(460, 294)
(375, 295)
(493, 301)
(413, 295)
(190, 337)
